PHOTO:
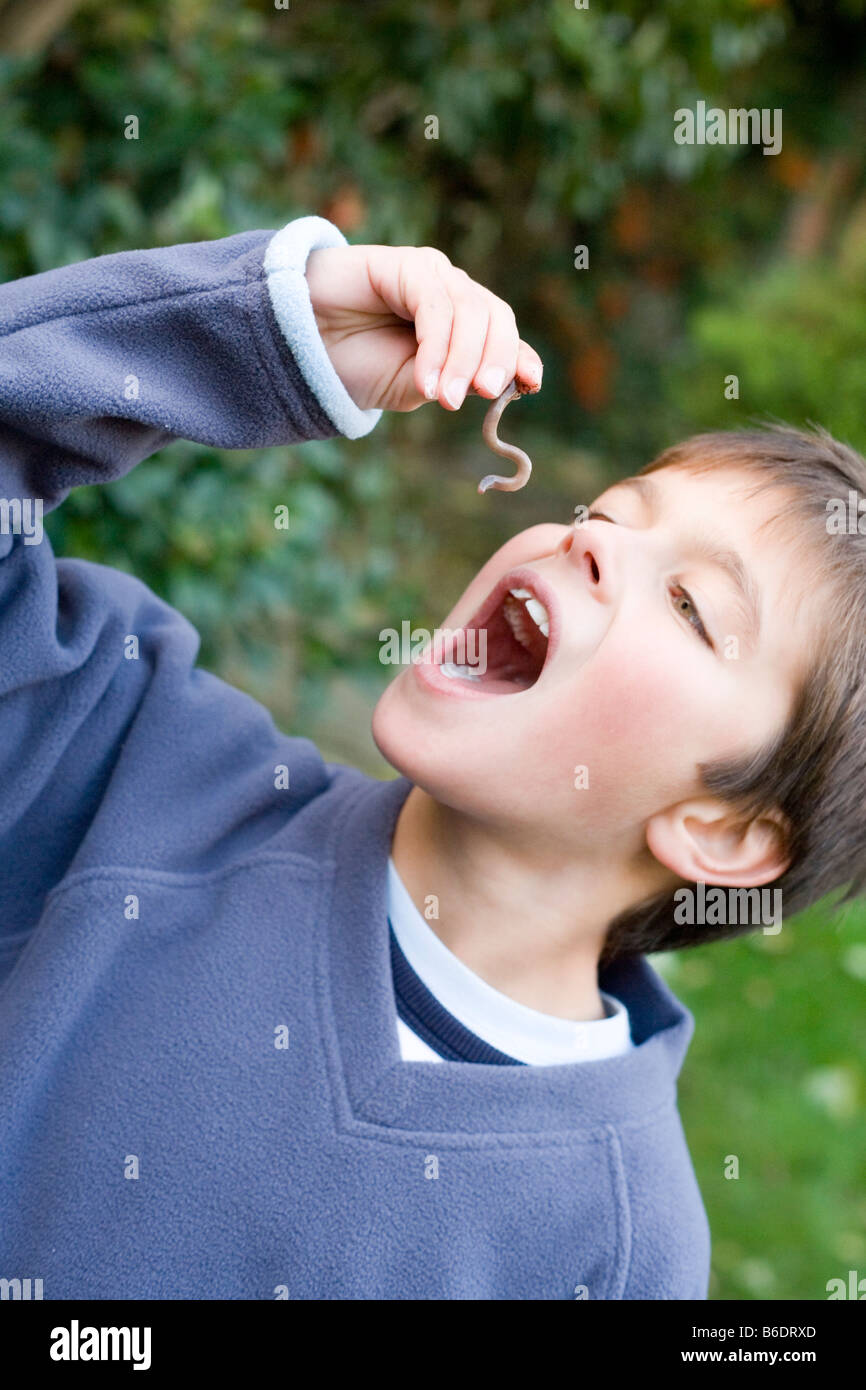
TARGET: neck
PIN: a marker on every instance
(530, 922)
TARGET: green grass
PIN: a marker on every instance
(776, 1077)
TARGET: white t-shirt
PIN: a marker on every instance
(525, 1034)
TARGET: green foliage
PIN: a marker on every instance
(198, 526)
(795, 336)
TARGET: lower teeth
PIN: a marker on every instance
(454, 673)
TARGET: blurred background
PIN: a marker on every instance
(555, 130)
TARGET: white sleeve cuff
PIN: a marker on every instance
(285, 265)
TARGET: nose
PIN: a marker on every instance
(591, 554)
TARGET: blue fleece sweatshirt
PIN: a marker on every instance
(201, 1088)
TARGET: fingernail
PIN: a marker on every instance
(456, 390)
(431, 385)
(534, 375)
(492, 380)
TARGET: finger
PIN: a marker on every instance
(402, 393)
(530, 368)
(408, 281)
(469, 327)
(499, 358)
(427, 299)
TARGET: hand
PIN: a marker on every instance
(402, 326)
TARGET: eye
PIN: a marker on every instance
(685, 604)
(599, 516)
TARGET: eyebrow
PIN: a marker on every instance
(730, 561)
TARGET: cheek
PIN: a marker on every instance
(646, 714)
(636, 692)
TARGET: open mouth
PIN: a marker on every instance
(503, 649)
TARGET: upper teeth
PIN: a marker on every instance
(535, 608)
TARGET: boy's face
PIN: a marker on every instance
(572, 743)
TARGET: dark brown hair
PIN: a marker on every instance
(814, 770)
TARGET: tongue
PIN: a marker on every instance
(515, 652)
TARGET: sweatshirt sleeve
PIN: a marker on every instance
(101, 364)
(104, 362)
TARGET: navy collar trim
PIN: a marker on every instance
(421, 1011)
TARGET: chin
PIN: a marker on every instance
(404, 740)
(411, 746)
(434, 755)
(385, 732)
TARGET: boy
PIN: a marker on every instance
(270, 1028)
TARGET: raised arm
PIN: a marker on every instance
(104, 362)
(103, 713)
(114, 747)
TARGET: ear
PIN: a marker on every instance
(707, 841)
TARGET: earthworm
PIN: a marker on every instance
(508, 451)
